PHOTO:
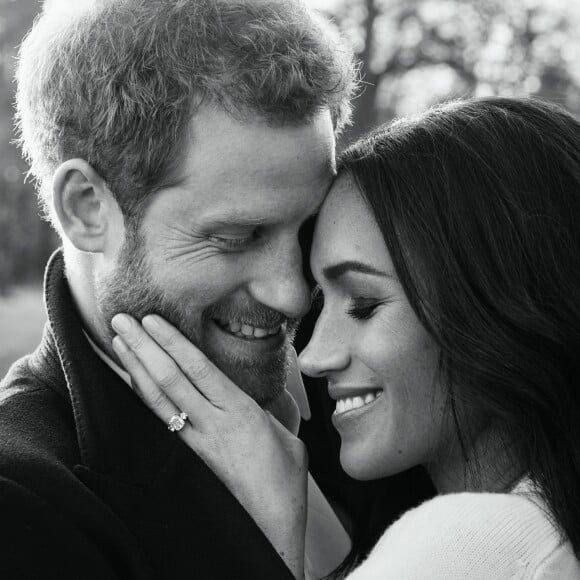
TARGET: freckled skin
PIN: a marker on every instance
(223, 241)
(390, 350)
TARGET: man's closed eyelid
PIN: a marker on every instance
(232, 242)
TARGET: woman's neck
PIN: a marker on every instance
(490, 467)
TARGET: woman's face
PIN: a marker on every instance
(380, 363)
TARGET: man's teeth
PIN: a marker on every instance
(349, 403)
(248, 331)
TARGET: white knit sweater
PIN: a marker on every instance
(472, 536)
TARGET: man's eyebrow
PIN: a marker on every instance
(241, 220)
(337, 270)
(229, 220)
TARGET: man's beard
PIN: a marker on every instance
(130, 288)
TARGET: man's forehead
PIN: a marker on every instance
(234, 173)
(216, 132)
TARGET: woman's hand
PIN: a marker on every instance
(259, 460)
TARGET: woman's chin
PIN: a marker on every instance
(359, 466)
(364, 463)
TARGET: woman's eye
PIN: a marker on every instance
(363, 308)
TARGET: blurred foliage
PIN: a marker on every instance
(414, 53)
(25, 240)
(417, 52)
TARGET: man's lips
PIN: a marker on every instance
(223, 340)
(248, 331)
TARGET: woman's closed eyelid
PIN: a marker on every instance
(357, 306)
(364, 308)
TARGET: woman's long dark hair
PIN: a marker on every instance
(479, 205)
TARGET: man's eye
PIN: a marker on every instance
(233, 242)
(363, 308)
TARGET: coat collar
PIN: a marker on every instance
(117, 434)
(179, 515)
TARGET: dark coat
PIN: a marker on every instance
(93, 485)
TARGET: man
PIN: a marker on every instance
(180, 147)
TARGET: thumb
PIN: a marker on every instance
(285, 410)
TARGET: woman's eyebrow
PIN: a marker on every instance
(340, 269)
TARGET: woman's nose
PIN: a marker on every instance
(326, 352)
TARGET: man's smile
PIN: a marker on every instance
(248, 331)
(241, 340)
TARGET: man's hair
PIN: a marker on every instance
(117, 82)
(479, 205)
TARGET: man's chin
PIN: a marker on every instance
(263, 379)
(263, 395)
(264, 389)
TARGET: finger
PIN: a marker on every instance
(161, 368)
(143, 384)
(208, 379)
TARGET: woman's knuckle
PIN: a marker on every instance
(158, 401)
(170, 340)
(202, 371)
(138, 342)
(169, 379)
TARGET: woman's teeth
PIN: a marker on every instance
(247, 331)
(349, 403)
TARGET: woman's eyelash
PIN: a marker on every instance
(363, 308)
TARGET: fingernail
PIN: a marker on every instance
(151, 323)
(121, 323)
(119, 344)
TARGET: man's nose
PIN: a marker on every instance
(327, 351)
(281, 285)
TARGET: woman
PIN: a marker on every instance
(448, 255)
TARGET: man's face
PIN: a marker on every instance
(218, 254)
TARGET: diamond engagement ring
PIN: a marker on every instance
(177, 422)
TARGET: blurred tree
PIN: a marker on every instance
(25, 240)
(417, 52)
(413, 53)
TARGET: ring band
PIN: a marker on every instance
(177, 422)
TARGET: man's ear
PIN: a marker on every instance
(84, 205)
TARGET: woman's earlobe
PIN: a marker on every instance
(80, 199)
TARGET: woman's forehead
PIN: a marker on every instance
(346, 229)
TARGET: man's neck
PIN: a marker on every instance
(79, 269)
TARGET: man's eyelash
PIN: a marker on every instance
(234, 243)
